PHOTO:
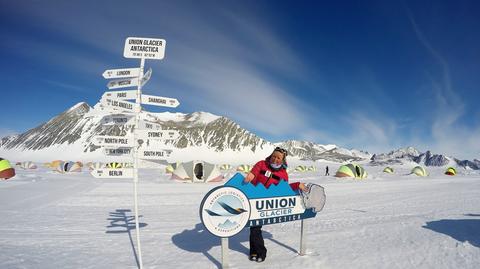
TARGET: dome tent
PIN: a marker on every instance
(27, 165)
(171, 167)
(245, 168)
(225, 167)
(95, 165)
(6, 169)
(301, 168)
(197, 171)
(451, 171)
(66, 167)
(419, 171)
(114, 165)
(388, 170)
(351, 170)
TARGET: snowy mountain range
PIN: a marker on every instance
(203, 136)
(427, 158)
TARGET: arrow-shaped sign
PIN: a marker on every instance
(112, 173)
(163, 134)
(113, 141)
(122, 83)
(159, 101)
(121, 73)
(117, 151)
(122, 95)
(117, 119)
(144, 125)
(154, 154)
(146, 77)
(117, 104)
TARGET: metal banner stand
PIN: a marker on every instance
(303, 247)
(225, 253)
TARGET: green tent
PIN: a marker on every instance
(6, 169)
(451, 171)
(351, 170)
(419, 171)
(388, 170)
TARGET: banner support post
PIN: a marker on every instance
(225, 253)
(303, 247)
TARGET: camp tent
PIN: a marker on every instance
(451, 171)
(225, 167)
(67, 167)
(27, 165)
(301, 168)
(6, 169)
(95, 165)
(245, 168)
(54, 164)
(312, 168)
(197, 171)
(419, 171)
(114, 165)
(388, 170)
(171, 167)
(351, 170)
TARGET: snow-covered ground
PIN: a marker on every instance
(52, 220)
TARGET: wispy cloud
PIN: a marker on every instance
(450, 134)
(67, 86)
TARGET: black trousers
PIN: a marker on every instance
(257, 245)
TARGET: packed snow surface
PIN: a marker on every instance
(53, 220)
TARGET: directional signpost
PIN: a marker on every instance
(148, 140)
(137, 48)
(114, 141)
(121, 73)
(117, 120)
(122, 83)
(165, 134)
(159, 101)
(117, 151)
(119, 105)
(113, 173)
(122, 95)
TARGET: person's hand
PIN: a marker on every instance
(249, 178)
(302, 187)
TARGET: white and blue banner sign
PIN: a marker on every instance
(227, 209)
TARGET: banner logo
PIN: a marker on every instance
(225, 211)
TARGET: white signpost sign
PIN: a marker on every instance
(113, 173)
(146, 77)
(122, 95)
(122, 83)
(117, 151)
(117, 120)
(163, 134)
(154, 154)
(121, 73)
(159, 101)
(144, 48)
(117, 104)
(145, 125)
(113, 141)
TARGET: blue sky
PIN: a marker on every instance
(371, 75)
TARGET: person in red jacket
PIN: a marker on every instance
(267, 172)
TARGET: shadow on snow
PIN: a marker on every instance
(200, 240)
(462, 230)
(122, 222)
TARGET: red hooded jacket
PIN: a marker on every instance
(267, 176)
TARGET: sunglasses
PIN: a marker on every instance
(282, 150)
